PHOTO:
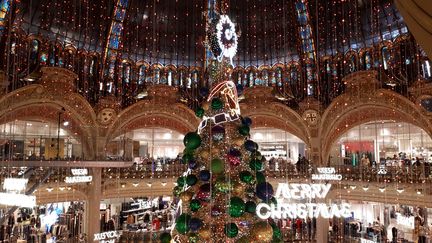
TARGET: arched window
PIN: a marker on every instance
(251, 78)
(264, 77)
(195, 77)
(426, 68)
(181, 78)
(170, 77)
(351, 64)
(238, 77)
(34, 53)
(93, 66)
(367, 60)
(385, 56)
(141, 74)
(126, 73)
(279, 76)
(156, 75)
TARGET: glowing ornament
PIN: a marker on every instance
(181, 181)
(182, 223)
(195, 224)
(216, 104)
(192, 140)
(255, 165)
(260, 177)
(236, 207)
(246, 121)
(165, 237)
(226, 38)
(191, 179)
(264, 191)
(250, 207)
(250, 146)
(246, 177)
(218, 133)
(231, 230)
(186, 196)
(262, 232)
(187, 157)
(195, 205)
(199, 112)
(217, 166)
(244, 130)
(203, 193)
(204, 175)
(177, 190)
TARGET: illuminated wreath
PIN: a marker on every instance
(226, 37)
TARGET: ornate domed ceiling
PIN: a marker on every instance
(172, 32)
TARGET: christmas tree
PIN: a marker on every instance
(225, 179)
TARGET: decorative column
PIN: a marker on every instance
(92, 216)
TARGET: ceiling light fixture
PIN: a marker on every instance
(400, 190)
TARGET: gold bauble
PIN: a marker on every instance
(239, 141)
(215, 151)
(204, 233)
(186, 196)
(244, 239)
(206, 106)
(204, 154)
(262, 232)
(238, 188)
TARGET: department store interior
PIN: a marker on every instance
(215, 121)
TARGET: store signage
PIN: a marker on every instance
(142, 204)
(327, 173)
(20, 200)
(79, 176)
(15, 184)
(382, 170)
(366, 241)
(107, 237)
(405, 221)
(79, 172)
(301, 210)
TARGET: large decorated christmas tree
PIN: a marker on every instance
(225, 180)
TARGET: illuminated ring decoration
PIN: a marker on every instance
(227, 38)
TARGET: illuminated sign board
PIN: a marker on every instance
(327, 173)
(15, 184)
(293, 191)
(79, 172)
(19, 200)
(107, 237)
(79, 176)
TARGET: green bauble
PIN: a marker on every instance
(181, 181)
(244, 130)
(277, 234)
(257, 155)
(246, 177)
(191, 180)
(216, 104)
(199, 112)
(236, 207)
(182, 223)
(256, 165)
(250, 207)
(195, 205)
(192, 140)
(187, 157)
(272, 200)
(260, 177)
(177, 190)
(165, 237)
(217, 166)
(231, 230)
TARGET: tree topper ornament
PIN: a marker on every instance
(227, 38)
